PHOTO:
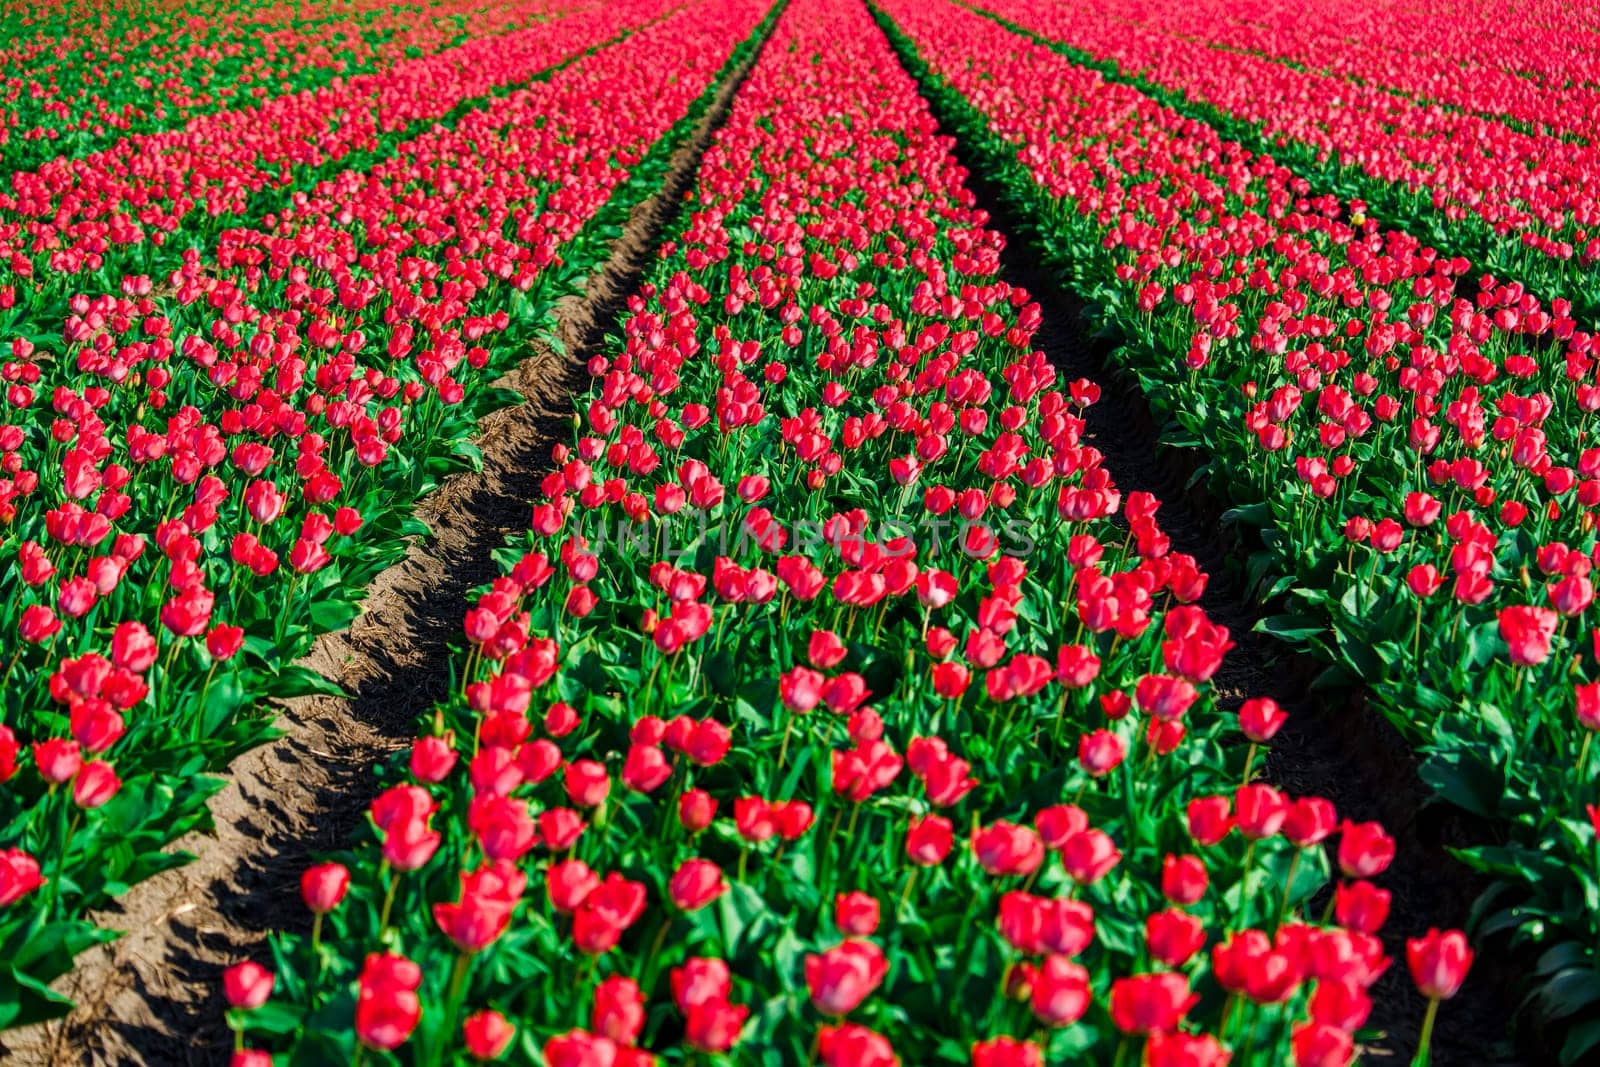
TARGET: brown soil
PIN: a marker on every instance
(1332, 746)
(153, 997)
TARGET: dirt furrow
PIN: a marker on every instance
(153, 997)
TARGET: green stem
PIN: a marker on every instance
(388, 898)
(1427, 1034)
(1288, 889)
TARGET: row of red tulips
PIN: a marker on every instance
(81, 76)
(136, 206)
(199, 477)
(837, 706)
(1539, 77)
(1416, 460)
(1513, 200)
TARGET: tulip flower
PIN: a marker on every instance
(850, 1045)
(1006, 1052)
(387, 1006)
(19, 875)
(1150, 1003)
(96, 783)
(487, 1035)
(855, 914)
(619, 1010)
(842, 977)
(696, 883)
(247, 985)
(1439, 964)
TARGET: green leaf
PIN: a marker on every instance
(298, 681)
(328, 616)
(1465, 780)
(1291, 628)
(1570, 992)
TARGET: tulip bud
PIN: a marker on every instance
(95, 785)
(696, 810)
(1183, 879)
(695, 884)
(618, 1012)
(487, 1035)
(247, 985)
(432, 758)
(855, 914)
(1260, 718)
(1439, 963)
(323, 886)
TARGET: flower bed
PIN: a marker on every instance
(1415, 460)
(89, 74)
(206, 472)
(837, 705)
(1517, 201)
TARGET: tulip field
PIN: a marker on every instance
(1025, 454)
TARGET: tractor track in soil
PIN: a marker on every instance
(1333, 746)
(154, 995)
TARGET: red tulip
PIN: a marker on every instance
(1260, 810)
(1007, 850)
(432, 758)
(1310, 821)
(58, 761)
(1342, 1005)
(714, 1026)
(1210, 819)
(133, 648)
(387, 1007)
(247, 985)
(1059, 991)
(1319, 1045)
(619, 1010)
(1183, 879)
(696, 883)
(1365, 851)
(1527, 632)
(224, 641)
(928, 840)
(19, 875)
(587, 783)
(487, 1035)
(851, 1045)
(855, 914)
(1006, 1052)
(696, 810)
(1260, 719)
(1100, 752)
(9, 750)
(700, 981)
(843, 976)
(1588, 705)
(1439, 962)
(1361, 906)
(1174, 936)
(1178, 1049)
(95, 784)
(323, 886)
(581, 1049)
(1089, 856)
(409, 844)
(1059, 822)
(1150, 1003)
(560, 828)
